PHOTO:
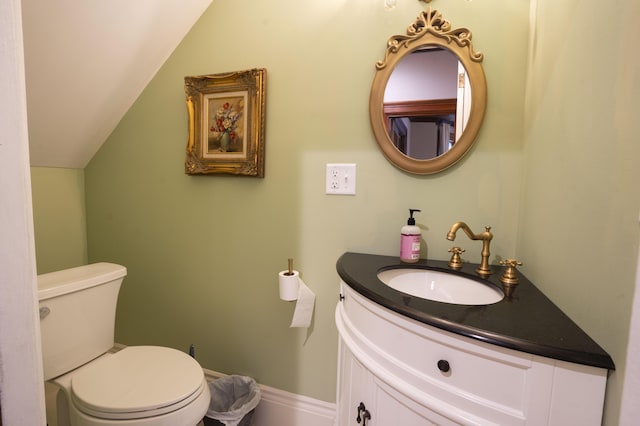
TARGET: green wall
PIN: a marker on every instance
(578, 234)
(552, 173)
(203, 252)
(59, 218)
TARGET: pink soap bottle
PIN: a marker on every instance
(410, 240)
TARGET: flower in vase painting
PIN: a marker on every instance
(226, 121)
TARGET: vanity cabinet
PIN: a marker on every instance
(409, 373)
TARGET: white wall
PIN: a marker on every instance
(21, 382)
(630, 411)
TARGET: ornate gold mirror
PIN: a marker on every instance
(429, 96)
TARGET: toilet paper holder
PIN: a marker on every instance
(292, 288)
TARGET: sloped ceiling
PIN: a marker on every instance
(86, 62)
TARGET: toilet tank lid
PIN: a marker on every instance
(69, 280)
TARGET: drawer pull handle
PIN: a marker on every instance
(361, 408)
(444, 366)
(44, 312)
(363, 414)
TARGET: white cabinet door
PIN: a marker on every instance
(384, 405)
(354, 388)
(393, 408)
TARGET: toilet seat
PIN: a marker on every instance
(137, 382)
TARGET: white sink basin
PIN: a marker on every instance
(440, 286)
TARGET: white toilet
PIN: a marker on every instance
(138, 385)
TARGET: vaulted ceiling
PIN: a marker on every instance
(86, 62)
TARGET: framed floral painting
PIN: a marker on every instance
(226, 123)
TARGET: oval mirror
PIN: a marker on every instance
(428, 96)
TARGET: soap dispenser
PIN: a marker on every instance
(410, 240)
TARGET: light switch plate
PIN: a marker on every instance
(341, 179)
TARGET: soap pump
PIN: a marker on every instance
(410, 240)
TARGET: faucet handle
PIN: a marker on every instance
(509, 276)
(456, 262)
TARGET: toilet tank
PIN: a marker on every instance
(77, 315)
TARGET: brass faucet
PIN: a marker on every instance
(483, 270)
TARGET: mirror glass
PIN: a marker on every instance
(422, 110)
(424, 102)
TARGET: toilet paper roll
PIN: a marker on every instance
(289, 285)
(304, 306)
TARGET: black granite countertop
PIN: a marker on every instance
(526, 321)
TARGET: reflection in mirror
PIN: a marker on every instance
(422, 110)
(424, 102)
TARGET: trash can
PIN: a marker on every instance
(233, 400)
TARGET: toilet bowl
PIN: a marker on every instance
(138, 385)
(146, 385)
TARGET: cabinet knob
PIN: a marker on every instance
(444, 366)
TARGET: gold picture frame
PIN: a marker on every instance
(226, 123)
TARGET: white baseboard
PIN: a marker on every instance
(281, 408)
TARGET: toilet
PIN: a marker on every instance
(138, 385)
